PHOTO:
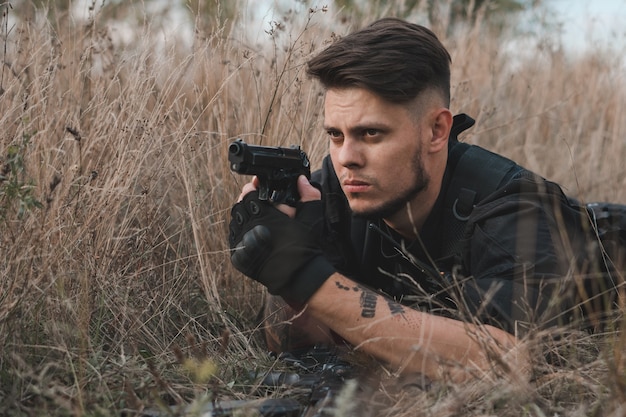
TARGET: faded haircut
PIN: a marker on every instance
(392, 58)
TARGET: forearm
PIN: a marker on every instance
(283, 254)
(410, 340)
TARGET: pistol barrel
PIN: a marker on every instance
(273, 161)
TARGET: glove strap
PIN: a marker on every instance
(307, 281)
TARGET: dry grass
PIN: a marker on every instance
(119, 289)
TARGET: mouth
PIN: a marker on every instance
(354, 186)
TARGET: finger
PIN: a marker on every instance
(288, 210)
(307, 191)
(248, 188)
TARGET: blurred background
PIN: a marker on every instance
(116, 289)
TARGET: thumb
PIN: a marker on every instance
(307, 191)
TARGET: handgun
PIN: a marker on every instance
(277, 169)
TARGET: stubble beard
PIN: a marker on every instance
(393, 206)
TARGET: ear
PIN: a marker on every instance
(441, 123)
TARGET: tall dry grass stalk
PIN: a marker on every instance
(122, 276)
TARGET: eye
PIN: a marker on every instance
(370, 132)
(334, 135)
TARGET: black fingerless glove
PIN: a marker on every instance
(282, 253)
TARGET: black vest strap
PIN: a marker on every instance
(475, 174)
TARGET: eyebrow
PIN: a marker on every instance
(360, 127)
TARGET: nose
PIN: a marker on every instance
(350, 153)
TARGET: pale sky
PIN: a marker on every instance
(585, 23)
(589, 23)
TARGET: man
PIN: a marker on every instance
(369, 255)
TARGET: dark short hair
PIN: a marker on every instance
(392, 58)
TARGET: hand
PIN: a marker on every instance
(279, 251)
(305, 189)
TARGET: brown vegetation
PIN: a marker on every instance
(116, 290)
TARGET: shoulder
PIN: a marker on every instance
(528, 215)
(525, 189)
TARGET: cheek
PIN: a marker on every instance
(398, 160)
(333, 161)
(399, 168)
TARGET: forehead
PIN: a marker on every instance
(353, 95)
(358, 105)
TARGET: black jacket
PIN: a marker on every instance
(509, 258)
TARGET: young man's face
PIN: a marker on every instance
(377, 151)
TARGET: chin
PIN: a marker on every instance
(357, 207)
(364, 210)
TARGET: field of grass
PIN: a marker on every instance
(116, 289)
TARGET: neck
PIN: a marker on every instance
(409, 220)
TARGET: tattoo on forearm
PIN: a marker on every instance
(369, 299)
(345, 288)
(395, 307)
(368, 303)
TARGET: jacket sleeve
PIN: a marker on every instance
(338, 244)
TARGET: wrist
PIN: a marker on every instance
(307, 281)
